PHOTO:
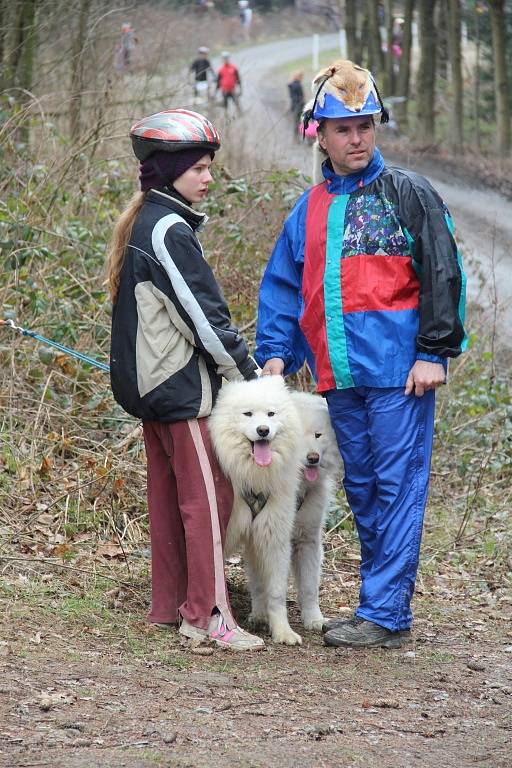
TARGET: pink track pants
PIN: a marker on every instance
(189, 503)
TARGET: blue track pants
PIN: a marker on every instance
(385, 439)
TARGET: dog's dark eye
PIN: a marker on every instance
(318, 434)
(271, 413)
(247, 413)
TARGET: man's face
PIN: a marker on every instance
(349, 142)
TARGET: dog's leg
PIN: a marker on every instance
(273, 552)
(307, 563)
(239, 527)
(258, 616)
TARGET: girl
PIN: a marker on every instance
(172, 340)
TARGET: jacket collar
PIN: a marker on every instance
(344, 185)
(195, 219)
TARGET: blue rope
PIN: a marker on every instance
(61, 347)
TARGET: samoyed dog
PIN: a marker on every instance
(278, 450)
(319, 470)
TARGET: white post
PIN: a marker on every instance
(316, 50)
(343, 43)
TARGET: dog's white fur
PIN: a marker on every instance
(318, 451)
(266, 538)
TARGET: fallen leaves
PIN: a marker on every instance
(109, 549)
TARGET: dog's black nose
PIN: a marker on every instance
(262, 431)
(313, 458)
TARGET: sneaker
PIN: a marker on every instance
(196, 634)
(236, 639)
(335, 623)
(359, 633)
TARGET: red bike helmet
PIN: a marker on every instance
(172, 131)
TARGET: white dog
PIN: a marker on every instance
(321, 464)
(257, 433)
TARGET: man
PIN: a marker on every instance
(201, 69)
(366, 284)
(228, 80)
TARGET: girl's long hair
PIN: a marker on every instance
(119, 241)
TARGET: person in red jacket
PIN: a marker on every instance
(228, 82)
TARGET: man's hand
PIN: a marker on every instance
(273, 367)
(422, 376)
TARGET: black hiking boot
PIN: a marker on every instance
(335, 623)
(359, 633)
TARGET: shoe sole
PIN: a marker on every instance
(389, 642)
(204, 639)
(228, 647)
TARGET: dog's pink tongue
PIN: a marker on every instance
(311, 473)
(262, 453)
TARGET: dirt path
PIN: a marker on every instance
(93, 690)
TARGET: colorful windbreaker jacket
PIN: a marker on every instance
(364, 279)
(172, 336)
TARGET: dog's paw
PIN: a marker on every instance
(286, 636)
(314, 625)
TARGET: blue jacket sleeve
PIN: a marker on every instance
(278, 333)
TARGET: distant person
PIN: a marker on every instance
(297, 100)
(126, 47)
(245, 18)
(228, 82)
(202, 71)
(396, 47)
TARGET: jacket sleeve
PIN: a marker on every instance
(278, 333)
(442, 280)
(200, 303)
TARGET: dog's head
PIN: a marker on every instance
(256, 418)
(319, 452)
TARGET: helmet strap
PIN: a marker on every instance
(384, 115)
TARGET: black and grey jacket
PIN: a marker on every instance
(172, 337)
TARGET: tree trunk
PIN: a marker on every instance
(442, 27)
(77, 70)
(353, 48)
(404, 72)
(12, 41)
(390, 69)
(454, 48)
(375, 53)
(477, 81)
(426, 72)
(25, 64)
(499, 43)
(25, 68)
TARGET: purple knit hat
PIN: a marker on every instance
(163, 168)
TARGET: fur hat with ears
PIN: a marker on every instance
(344, 89)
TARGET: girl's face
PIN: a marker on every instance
(193, 184)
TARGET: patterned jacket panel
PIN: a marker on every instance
(369, 291)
